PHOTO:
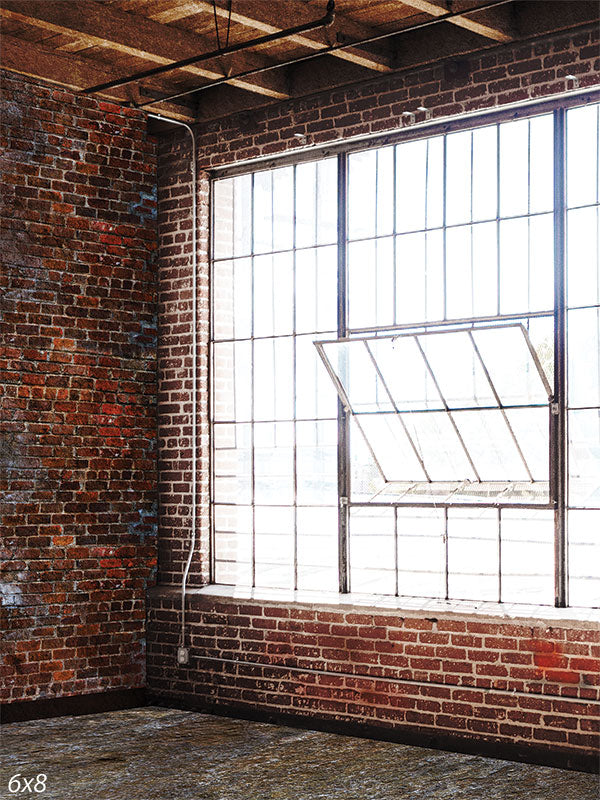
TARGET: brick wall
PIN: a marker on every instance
(78, 391)
(520, 682)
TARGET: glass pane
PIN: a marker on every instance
(435, 182)
(371, 283)
(366, 479)
(222, 202)
(274, 463)
(514, 266)
(541, 263)
(306, 204)
(485, 173)
(385, 191)
(405, 373)
(242, 215)
(527, 556)
(510, 365)
(531, 427)
(584, 458)
(274, 547)
(541, 164)
(232, 363)
(582, 155)
(283, 208)
(411, 181)
(232, 299)
(315, 394)
(439, 446)
(584, 558)
(316, 290)
(231, 573)
(459, 273)
(473, 554)
(233, 544)
(391, 447)
(358, 376)
(232, 461)
(484, 249)
(490, 445)
(318, 549)
(372, 545)
(514, 168)
(262, 229)
(583, 256)
(362, 194)
(583, 338)
(327, 211)
(421, 552)
(316, 462)
(457, 369)
(273, 379)
(273, 295)
(458, 178)
(419, 277)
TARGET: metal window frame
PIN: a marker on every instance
(558, 106)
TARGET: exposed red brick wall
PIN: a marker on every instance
(78, 391)
(521, 681)
(497, 681)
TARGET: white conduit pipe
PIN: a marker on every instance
(182, 659)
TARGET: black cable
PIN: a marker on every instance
(230, 4)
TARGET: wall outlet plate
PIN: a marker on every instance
(183, 655)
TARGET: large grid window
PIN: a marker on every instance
(406, 368)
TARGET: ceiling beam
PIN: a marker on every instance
(134, 35)
(36, 61)
(259, 16)
(493, 24)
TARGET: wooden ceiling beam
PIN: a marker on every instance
(493, 24)
(137, 36)
(73, 72)
(259, 16)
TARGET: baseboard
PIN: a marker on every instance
(72, 705)
(562, 758)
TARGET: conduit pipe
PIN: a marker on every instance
(224, 51)
(182, 653)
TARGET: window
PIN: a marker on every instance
(406, 367)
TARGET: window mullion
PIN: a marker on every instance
(343, 415)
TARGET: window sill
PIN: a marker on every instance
(403, 606)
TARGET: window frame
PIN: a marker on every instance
(558, 106)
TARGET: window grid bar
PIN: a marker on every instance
(295, 378)
(252, 414)
(499, 554)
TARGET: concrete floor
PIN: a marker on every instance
(163, 754)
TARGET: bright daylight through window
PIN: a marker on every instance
(406, 368)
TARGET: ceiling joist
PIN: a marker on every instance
(492, 24)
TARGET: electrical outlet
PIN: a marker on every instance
(183, 655)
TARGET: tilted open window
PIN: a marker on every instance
(459, 415)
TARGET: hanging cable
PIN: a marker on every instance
(214, 4)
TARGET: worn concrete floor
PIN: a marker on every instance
(164, 754)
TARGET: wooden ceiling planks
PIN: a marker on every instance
(75, 41)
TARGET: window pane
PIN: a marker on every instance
(232, 461)
(459, 273)
(274, 547)
(458, 178)
(527, 556)
(233, 544)
(584, 458)
(583, 256)
(531, 426)
(262, 228)
(584, 558)
(274, 463)
(584, 357)
(488, 440)
(582, 155)
(484, 248)
(315, 394)
(273, 379)
(306, 204)
(411, 182)
(514, 168)
(316, 463)
(371, 282)
(232, 299)
(473, 554)
(327, 201)
(273, 295)
(419, 277)
(421, 552)
(283, 208)
(541, 263)
(318, 549)
(316, 290)
(358, 376)
(541, 163)
(391, 447)
(457, 369)
(223, 218)
(485, 173)
(405, 373)
(372, 545)
(242, 215)
(362, 194)
(232, 400)
(514, 266)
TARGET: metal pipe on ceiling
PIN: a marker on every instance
(224, 51)
(325, 51)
